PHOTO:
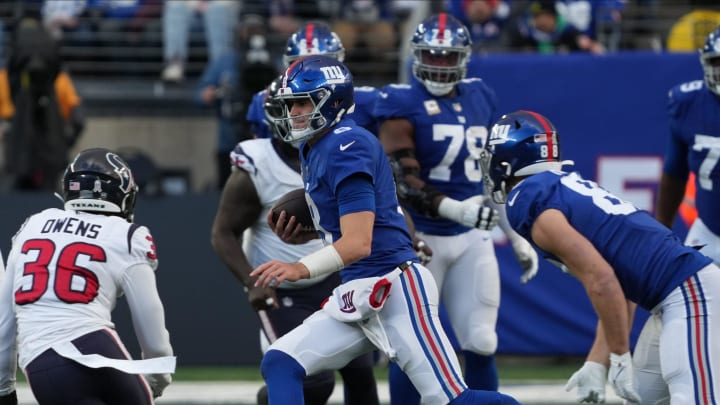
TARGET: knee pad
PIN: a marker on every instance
(275, 360)
(481, 340)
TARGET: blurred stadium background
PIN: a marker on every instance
(609, 110)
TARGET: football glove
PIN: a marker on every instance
(9, 399)
(419, 199)
(526, 256)
(590, 383)
(422, 250)
(471, 212)
(621, 376)
(158, 382)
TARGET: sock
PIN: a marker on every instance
(284, 378)
(480, 371)
(402, 391)
(476, 397)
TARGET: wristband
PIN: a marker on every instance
(324, 261)
(450, 209)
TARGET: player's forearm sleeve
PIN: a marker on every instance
(147, 311)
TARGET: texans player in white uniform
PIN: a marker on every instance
(350, 189)
(622, 256)
(314, 38)
(433, 129)
(694, 145)
(65, 272)
(263, 171)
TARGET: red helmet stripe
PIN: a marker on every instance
(288, 70)
(442, 18)
(309, 36)
(548, 132)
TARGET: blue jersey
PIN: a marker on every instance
(695, 145)
(648, 259)
(347, 150)
(255, 116)
(365, 97)
(449, 134)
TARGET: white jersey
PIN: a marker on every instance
(67, 270)
(272, 178)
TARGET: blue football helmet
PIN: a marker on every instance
(323, 81)
(521, 143)
(314, 38)
(99, 180)
(442, 47)
(710, 60)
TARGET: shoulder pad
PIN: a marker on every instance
(141, 245)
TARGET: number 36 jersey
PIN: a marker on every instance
(67, 270)
(647, 258)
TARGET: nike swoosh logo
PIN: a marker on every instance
(511, 202)
(343, 147)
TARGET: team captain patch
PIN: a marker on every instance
(431, 107)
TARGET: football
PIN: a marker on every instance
(294, 204)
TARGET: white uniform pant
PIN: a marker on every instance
(410, 319)
(466, 271)
(677, 357)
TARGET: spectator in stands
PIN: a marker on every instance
(543, 30)
(122, 16)
(62, 15)
(485, 19)
(220, 17)
(598, 19)
(365, 27)
(228, 84)
(40, 102)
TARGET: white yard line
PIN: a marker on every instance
(227, 392)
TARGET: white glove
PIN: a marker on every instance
(526, 256)
(621, 376)
(472, 212)
(158, 382)
(590, 383)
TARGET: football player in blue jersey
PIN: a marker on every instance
(623, 257)
(694, 145)
(315, 38)
(433, 129)
(350, 189)
(263, 171)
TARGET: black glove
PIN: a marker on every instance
(420, 200)
(9, 399)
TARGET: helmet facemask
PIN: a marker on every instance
(711, 69)
(495, 184)
(296, 128)
(439, 69)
